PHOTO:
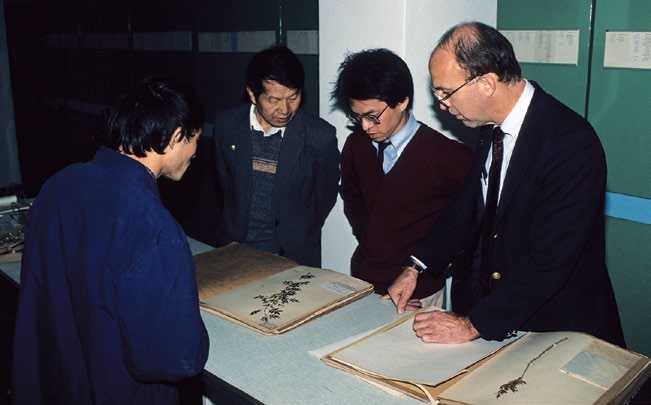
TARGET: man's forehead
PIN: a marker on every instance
(443, 67)
(272, 86)
(366, 106)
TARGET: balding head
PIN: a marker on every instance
(480, 49)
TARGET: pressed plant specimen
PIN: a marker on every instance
(272, 304)
(513, 384)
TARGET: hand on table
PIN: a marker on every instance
(444, 327)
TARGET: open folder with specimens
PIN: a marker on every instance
(531, 368)
(268, 293)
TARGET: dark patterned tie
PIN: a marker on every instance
(380, 153)
(492, 195)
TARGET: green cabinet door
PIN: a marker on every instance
(617, 102)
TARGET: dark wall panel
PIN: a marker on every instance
(220, 80)
(178, 65)
(161, 15)
(95, 76)
(70, 60)
(103, 15)
(300, 15)
(242, 15)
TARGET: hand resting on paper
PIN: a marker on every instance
(444, 327)
(434, 326)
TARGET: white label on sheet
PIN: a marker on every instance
(628, 50)
(338, 287)
(545, 46)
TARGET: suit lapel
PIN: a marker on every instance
(521, 158)
(240, 144)
(290, 150)
(478, 171)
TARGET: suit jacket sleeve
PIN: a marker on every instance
(351, 193)
(231, 149)
(327, 178)
(449, 241)
(437, 249)
(218, 140)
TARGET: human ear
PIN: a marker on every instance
(175, 138)
(489, 83)
(403, 104)
(251, 95)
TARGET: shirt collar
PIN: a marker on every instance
(255, 125)
(513, 121)
(400, 139)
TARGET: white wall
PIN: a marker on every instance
(410, 28)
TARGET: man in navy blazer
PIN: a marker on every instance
(277, 165)
(545, 267)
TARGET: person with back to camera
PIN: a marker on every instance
(108, 307)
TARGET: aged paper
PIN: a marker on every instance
(558, 376)
(627, 50)
(292, 294)
(268, 293)
(230, 266)
(547, 46)
(399, 354)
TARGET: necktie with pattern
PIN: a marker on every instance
(492, 196)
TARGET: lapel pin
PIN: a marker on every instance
(232, 147)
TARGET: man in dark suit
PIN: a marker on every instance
(278, 166)
(536, 261)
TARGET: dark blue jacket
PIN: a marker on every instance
(108, 309)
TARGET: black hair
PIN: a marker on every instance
(146, 117)
(373, 74)
(481, 49)
(277, 63)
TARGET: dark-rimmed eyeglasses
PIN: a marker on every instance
(442, 96)
(372, 118)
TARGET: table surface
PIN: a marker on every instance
(279, 369)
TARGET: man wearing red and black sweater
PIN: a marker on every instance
(397, 174)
